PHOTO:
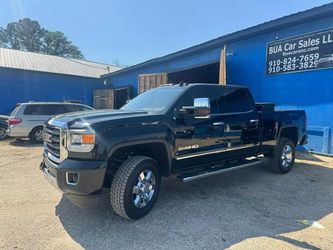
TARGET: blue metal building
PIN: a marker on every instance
(252, 59)
(26, 76)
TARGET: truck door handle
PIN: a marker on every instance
(218, 123)
(254, 121)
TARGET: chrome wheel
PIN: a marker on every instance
(39, 135)
(144, 188)
(3, 133)
(286, 156)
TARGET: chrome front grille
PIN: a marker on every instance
(52, 143)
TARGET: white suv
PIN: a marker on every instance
(27, 119)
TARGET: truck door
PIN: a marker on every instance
(197, 137)
(240, 121)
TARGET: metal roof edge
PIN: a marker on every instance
(295, 18)
(53, 73)
(60, 65)
(63, 57)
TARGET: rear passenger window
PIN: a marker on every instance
(45, 109)
(233, 101)
(32, 110)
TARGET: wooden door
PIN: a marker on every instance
(149, 81)
(103, 98)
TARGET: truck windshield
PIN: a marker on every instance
(158, 99)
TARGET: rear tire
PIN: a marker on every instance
(284, 156)
(36, 135)
(3, 130)
(135, 187)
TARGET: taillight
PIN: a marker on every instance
(14, 121)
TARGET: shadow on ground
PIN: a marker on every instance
(24, 143)
(215, 212)
(308, 156)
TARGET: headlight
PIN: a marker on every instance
(80, 140)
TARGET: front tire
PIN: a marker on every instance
(36, 135)
(284, 156)
(135, 187)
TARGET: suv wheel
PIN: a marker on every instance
(36, 135)
(3, 132)
(284, 156)
(135, 187)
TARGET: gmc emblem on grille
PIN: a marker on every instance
(47, 137)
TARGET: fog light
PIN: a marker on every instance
(72, 178)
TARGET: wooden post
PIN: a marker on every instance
(223, 68)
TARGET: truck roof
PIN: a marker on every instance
(189, 85)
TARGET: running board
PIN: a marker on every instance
(202, 174)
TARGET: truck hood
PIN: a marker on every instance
(92, 117)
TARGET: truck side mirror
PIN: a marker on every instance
(200, 108)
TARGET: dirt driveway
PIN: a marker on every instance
(251, 208)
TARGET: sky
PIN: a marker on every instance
(130, 32)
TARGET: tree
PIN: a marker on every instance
(27, 35)
(3, 38)
(56, 43)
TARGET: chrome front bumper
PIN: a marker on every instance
(48, 176)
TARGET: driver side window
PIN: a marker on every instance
(214, 109)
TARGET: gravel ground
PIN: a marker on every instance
(248, 209)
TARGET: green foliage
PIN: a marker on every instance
(56, 43)
(27, 35)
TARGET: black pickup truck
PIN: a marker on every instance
(192, 131)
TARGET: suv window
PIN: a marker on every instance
(44, 109)
(75, 108)
(16, 108)
(233, 101)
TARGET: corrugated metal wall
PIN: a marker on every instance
(311, 90)
(23, 86)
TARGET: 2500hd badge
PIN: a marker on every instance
(188, 147)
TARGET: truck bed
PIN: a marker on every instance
(271, 121)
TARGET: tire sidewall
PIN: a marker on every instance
(131, 210)
(5, 128)
(33, 135)
(283, 143)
